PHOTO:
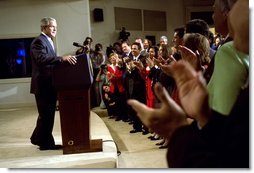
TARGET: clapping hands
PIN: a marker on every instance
(170, 116)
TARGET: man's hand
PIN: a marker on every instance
(193, 95)
(192, 89)
(191, 57)
(163, 120)
(138, 64)
(70, 59)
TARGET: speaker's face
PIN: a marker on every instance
(51, 29)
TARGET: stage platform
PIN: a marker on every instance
(16, 151)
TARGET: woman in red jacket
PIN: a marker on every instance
(115, 77)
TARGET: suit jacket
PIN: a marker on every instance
(138, 87)
(43, 59)
(117, 81)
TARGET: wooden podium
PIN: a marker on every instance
(73, 85)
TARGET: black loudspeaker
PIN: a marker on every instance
(98, 15)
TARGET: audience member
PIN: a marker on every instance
(154, 75)
(147, 44)
(163, 40)
(211, 39)
(138, 88)
(231, 71)
(117, 47)
(217, 42)
(87, 46)
(177, 41)
(221, 10)
(127, 58)
(145, 74)
(88, 50)
(97, 59)
(143, 50)
(124, 35)
(199, 26)
(102, 78)
(164, 57)
(110, 101)
(115, 77)
(199, 44)
(212, 140)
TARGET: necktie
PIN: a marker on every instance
(52, 44)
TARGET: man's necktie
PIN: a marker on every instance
(52, 44)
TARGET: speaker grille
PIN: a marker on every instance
(98, 15)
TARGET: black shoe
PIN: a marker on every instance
(57, 108)
(53, 147)
(154, 139)
(126, 120)
(135, 131)
(145, 132)
(150, 137)
(118, 119)
(34, 143)
(160, 143)
(163, 146)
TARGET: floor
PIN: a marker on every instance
(136, 150)
(16, 151)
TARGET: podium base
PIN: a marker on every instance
(95, 146)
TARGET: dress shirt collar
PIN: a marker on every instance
(135, 58)
(46, 36)
(49, 39)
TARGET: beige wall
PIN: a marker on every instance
(21, 18)
(105, 33)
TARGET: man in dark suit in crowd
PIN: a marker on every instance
(43, 59)
(138, 87)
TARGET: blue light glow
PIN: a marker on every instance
(19, 61)
(21, 52)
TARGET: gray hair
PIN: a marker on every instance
(226, 5)
(164, 38)
(46, 21)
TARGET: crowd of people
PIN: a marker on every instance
(157, 80)
(191, 93)
(218, 134)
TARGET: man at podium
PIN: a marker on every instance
(43, 59)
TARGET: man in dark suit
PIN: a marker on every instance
(138, 88)
(43, 59)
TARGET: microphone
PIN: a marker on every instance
(77, 44)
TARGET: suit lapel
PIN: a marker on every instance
(50, 48)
